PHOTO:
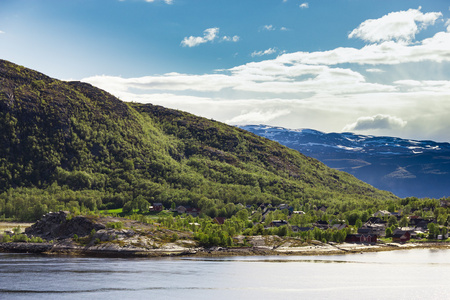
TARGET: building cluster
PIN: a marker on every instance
(374, 228)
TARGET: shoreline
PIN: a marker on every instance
(311, 250)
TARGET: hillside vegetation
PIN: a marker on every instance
(69, 145)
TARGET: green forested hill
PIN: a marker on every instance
(69, 144)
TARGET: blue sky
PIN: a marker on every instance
(371, 67)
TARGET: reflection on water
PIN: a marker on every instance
(411, 274)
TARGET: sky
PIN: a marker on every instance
(365, 66)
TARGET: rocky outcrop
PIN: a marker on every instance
(25, 247)
(57, 225)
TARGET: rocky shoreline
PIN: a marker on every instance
(117, 237)
(112, 250)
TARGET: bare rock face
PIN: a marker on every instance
(106, 235)
(57, 225)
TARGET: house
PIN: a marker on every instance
(302, 229)
(285, 206)
(268, 209)
(193, 211)
(401, 236)
(295, 228)
(321, 225)
(188, 210)
(298, 212)
(262, 206)
(365, 230)
(368, 238)
(375, 220)
(181, 209)
(442, 236)
(361, 238)
(381, 213)
(156, 207)
(278, 223)
(411, 230)
(378, 228)
(339, 226)
(419, 224)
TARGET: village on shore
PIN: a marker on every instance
(400, 226)
(63, 233)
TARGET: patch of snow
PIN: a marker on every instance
(349, 148)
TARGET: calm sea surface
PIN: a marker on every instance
(411, 274)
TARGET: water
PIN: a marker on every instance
(410, 274)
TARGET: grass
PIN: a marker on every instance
(112, 211)
(5, 226)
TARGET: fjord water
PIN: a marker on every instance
(410, 274)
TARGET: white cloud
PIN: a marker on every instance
(265, 52)
(376, 122)
(208, 36)
(272, 28)
(258, 116)
(304, 5)
(231, 38)
(398, 26)
(1, 32)
(374, 70)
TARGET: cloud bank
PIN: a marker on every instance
(376, 122)
(324, 90)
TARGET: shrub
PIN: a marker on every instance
(6, 238)
(114, 225)
(174, 237)
(20, 238)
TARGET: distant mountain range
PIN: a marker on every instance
(404, 167)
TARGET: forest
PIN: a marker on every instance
(69, 145)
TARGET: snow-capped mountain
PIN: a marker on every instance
(404, 167)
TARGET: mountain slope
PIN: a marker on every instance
(81, 145)
(404, 167)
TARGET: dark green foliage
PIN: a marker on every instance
(69, 145)
(114, 225)
(20, 238)
(388, 232)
